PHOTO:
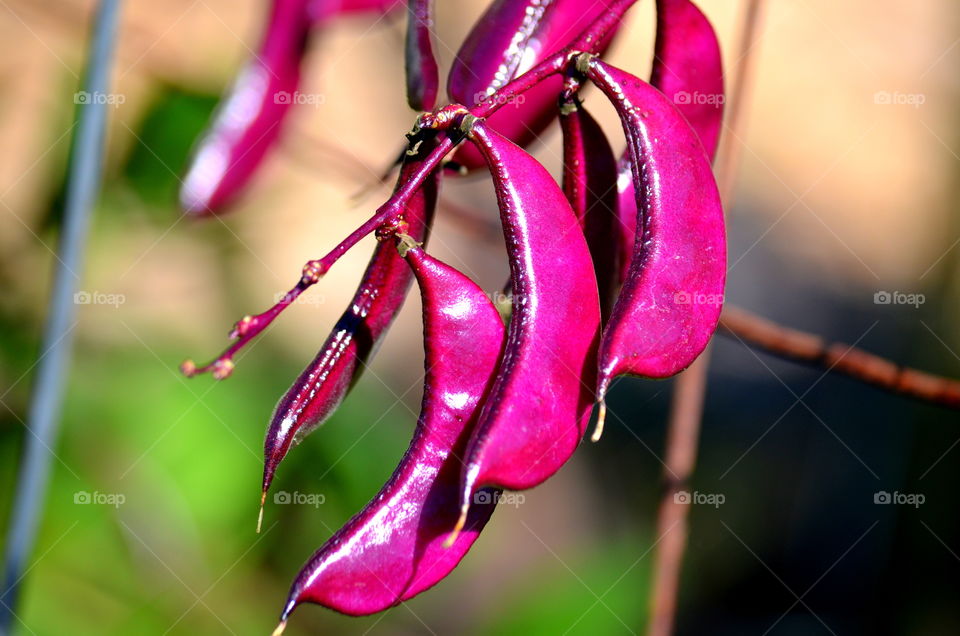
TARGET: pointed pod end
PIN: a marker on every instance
(279, 630)
(461, 522)
(601, 418)
(263, 500)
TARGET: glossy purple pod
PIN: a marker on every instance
(590, 184)
(325, 382)
(393, 549)
(687, 68)
(540, 405)
(509, 39)
(423, 75)
(250, 116)
(670, 304)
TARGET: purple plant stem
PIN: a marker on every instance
(322, 386)
(387, 214)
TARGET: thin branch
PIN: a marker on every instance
(47, 398)
(443, 120)
(686, 408)
(683, 435)
(837, 357)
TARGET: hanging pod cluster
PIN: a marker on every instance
(618, 270)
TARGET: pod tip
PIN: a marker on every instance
(461, 522)
(601, 418)
(263, 500)
(279, 630)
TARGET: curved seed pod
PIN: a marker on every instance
(423, 76)
(393, 549)
(325, 382)
(249, 118)
(590, 183)
(626, 234)
(670, 304)
(540, 405)
(510, 38)
(687, 69)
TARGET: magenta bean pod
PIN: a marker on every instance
(393, 549)
(590, 184)
(423, 75)
(250, 116)
(510, 38)
(325, 382)
(540, 405)
(670, 304)
(687, 69)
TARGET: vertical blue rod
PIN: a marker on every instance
(46, 400)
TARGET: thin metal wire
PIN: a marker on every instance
(43, 415)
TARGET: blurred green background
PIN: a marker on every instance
(839, 197)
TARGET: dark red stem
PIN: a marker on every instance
(389, 214)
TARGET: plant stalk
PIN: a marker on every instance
(686, 409)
